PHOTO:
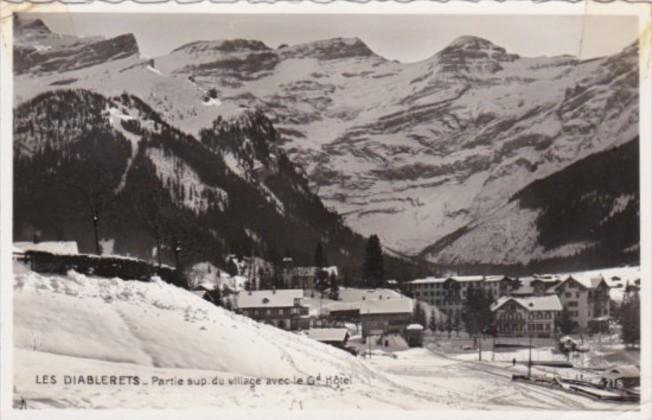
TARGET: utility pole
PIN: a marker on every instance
(480, 347)
(368, 336)
(529, 359)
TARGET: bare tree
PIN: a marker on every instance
(95, 188)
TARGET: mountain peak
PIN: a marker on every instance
(329, 49)
(222, 45)
(473, 43)
(468, 53)
(28, 23)
(30, 27)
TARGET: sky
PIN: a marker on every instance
(405, 38)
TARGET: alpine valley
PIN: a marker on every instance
(474, 156)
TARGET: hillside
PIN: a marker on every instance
(154, 190)
(410, 151)
(586, 215)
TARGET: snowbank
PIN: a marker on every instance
(160, 325)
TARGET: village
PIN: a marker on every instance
(577, 332)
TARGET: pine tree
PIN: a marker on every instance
(232, 267)
(334, 287)
(217, 297)
(373, 270)
(476, 312)
(419, 314)
(630, 319)
(320, 258)
(433, 321)
(565, 323)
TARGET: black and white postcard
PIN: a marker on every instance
(349, 209)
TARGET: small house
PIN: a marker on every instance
(281, 308)
(414, 335)
(337, 337)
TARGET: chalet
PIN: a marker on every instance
(336, 337)
(281, 308)
(534, 316)
(386, 316)
(586, 298)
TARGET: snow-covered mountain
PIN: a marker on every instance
(411, 151)
(584, 215)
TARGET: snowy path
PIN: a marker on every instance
(116, 118)
(481, 383)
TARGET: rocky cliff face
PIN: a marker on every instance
(39, 51)
(412, 152)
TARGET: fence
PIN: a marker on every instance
(103, 266)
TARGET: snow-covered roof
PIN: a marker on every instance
(54, 247)
(428, 280)
(612, 275)
(199, 293)
(351, 294)
(269, 298)
(468, 278)
(376, 306)
(567, 338)
(310, 271)
(590, 281)
(327, 334)
(625, 371)
(331, 270)
(461, 279)
(532, 303)
(547, 278)
(386, 306)
(344, 306)
(414, 327)
(493, 278)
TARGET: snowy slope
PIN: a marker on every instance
(589, 210)
(156, 324)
